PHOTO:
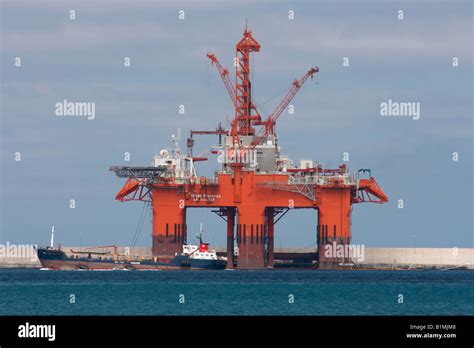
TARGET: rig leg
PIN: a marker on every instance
(230, 237)
(251, 238)
(169, 227)
(333, 232)
(270, 234)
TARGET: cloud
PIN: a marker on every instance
(70, 37)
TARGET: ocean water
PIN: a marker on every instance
(36, 292)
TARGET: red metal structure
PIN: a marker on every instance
(245, 112)
(255, 185)
(270, 122)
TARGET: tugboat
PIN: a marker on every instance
(201, 257)
(192, 257)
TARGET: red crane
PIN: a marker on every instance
(225, 76)
(224, 73)
(269, 123)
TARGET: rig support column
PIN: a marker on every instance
(230, 237)
(270, 234)
(334, 227)
(169, 224)
(251, 238)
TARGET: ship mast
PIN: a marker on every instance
(200, 233)
(52, 236)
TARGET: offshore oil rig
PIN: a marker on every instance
(254, 186)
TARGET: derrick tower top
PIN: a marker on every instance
(245, 111)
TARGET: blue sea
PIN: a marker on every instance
(276, 292)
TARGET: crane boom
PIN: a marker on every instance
(295, 87)
(224, 73)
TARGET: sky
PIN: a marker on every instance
(82, 60)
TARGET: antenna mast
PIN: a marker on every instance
(52, 236)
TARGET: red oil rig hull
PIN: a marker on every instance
(255, 185)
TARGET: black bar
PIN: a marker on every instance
(107, 330)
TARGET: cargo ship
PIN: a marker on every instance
(193, 257)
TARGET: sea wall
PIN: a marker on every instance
(416, 257)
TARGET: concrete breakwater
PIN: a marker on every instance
(418, 258)
(383, 258)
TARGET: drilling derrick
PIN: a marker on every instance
(254, 187)
(245, 111)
